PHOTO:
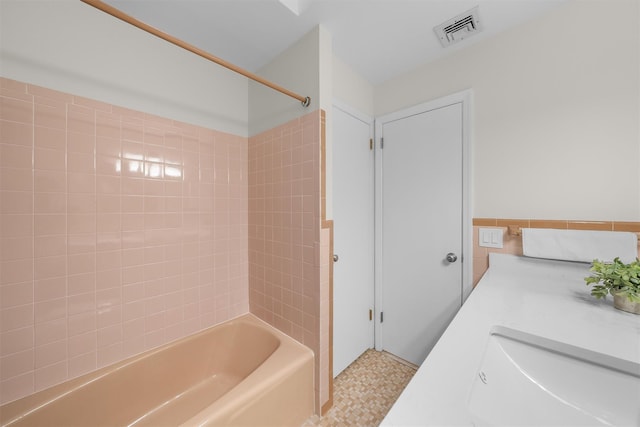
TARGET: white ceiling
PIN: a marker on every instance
(379, 39)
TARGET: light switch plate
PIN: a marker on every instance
(490, 237)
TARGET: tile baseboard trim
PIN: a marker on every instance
(559, 224)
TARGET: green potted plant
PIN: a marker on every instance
(618, 279)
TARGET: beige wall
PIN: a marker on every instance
(326, 101)
(69, 46)
(352, 89)
(297, 69)
(556, 113)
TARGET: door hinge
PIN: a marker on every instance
(370, 143)
(381, 317)
(370, 315)
(381, 143)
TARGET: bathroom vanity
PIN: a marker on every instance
(530, 346)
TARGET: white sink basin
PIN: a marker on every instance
(526, 379)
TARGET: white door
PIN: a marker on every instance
(421, 227)
(353, 214)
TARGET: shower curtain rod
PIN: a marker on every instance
(305, 100)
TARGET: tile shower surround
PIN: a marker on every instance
(120, 231)
(288, 246)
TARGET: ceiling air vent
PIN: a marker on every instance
(459, 28)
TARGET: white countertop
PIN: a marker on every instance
(540, 297)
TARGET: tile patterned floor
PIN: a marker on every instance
(365, 391)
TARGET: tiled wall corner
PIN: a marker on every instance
(120, 231)
(284, 231)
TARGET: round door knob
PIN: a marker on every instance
(335, 258)
(451, 257)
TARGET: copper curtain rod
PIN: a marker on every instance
(305, 100)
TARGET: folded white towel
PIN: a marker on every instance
(579, 245)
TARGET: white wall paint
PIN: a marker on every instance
(297, 69)
(352, 89)
(557, 112)
(326, 102)
(305, 68)
(72, 47)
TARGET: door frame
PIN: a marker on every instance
(465, 98)
(370, 122)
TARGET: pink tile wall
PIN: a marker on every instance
(511, 245)
(325, 312)
(120, 231)
(284, 232)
